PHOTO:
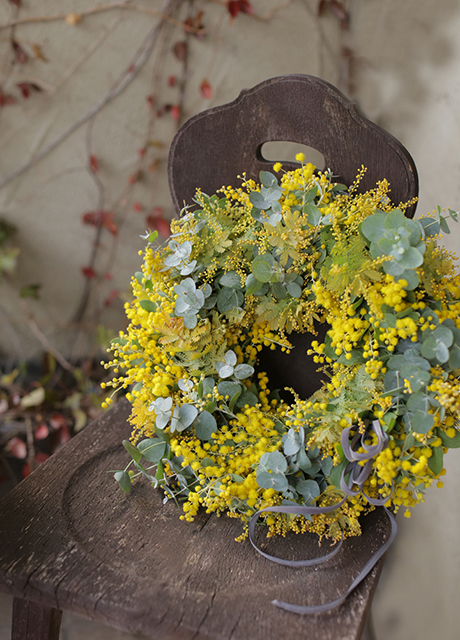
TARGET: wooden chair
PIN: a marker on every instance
(70, 539)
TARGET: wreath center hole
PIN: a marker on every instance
(296, 370)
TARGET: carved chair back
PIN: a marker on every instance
(214, 147)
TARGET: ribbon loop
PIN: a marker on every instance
(357, 473)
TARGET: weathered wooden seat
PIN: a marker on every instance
(70, 539)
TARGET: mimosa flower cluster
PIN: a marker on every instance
(243, 270)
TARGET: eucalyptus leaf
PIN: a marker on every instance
(421, 422)
(258, 201)
(267, 179)
(451, 443)
(373, 227)
(303, 460)
(190, 320)
(311, 194)
(291, 443)
(148, 305)
(247, 398)
(273, 461)
(313, 214)
(276, 481)
(205, 425)
(279, 290)
(183, 417)
(262, 270)
(153, 449)
(228, 388)
(228, 299)
(243, 371)
(430, 226)
(132, 450)
(231, 279)
(436, 460)
(253, 286)
(124, 480)
(309, 489)
(326, 465)
(294, 290)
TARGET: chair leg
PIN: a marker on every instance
(369, 630)
(32, 621)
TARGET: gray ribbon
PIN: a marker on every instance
(357, 475)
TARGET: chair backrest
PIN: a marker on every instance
(212, 148)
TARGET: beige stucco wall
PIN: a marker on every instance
(406, 78)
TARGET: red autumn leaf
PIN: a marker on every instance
(63, 434)
(172, 81)
(322, 7)
(113, 295)
(103, 218)
(233, 7)
(26, 470)
(246, 7)
(41, 457)
(93, 164)
(17, 448)
(90, 217)
(158, 212)
(57, 420)
(196, 23)
(154, 165)
(110, 225)
(340, 12)
(15, 2)
(151, 101)
(337, 9)
(206, 90)
(6, 98)
(88, 272)
(175, 112)
(21, 55)
(135, 177)
(137, 206)
(41, 432)
(26, 88)
(180, 50)
(160, 224)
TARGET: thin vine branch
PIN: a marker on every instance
(268, 16)
(100, 206)
(30, 444)
(45, 342)
(139, 60)
(124, 4)
(94, 46)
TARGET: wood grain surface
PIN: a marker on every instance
(70, 539)
(213, 147)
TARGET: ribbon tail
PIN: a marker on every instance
(370, 564)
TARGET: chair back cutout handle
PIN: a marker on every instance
(212, 148)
